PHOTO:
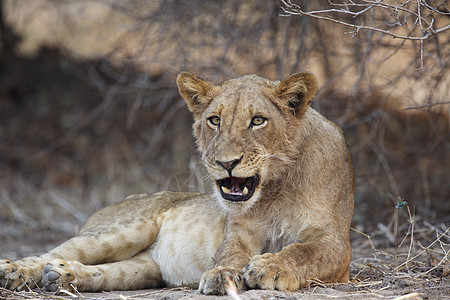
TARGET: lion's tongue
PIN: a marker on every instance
(237, 187)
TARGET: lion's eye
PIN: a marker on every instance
(258, 121)
(214, 121)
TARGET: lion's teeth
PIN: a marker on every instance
(225, 190)
(245, 191)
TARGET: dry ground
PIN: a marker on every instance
(418, 269)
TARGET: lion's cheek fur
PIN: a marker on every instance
(199, 135)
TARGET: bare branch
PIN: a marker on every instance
(427, 105)
(290, 8)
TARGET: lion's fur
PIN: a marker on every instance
(294, 226)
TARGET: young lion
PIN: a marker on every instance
(280, 214)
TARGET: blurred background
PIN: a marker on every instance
(89, 110)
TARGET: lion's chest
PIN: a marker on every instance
(277, 238)
(186, 244)
(280, 230)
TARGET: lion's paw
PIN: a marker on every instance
(14, 276)
(58, 275)
(213, 282)
(268, 272)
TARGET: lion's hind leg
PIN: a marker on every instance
(137, 272)
(84, 250)
(113, 234)
(104, 257)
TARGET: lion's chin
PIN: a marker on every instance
(238, 189)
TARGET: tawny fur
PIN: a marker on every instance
(293, 228)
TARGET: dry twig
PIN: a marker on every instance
(405, 263)
(231, 289)
(425, 33)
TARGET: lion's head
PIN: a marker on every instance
(247, 130)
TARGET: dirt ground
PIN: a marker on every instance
(418, 269)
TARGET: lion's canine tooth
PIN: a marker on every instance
(245, 191)
(225, 190)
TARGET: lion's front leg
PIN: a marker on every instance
(296, 264)
(214, 281)
(233, 254)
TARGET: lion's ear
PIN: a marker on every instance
(297, 91)
(197, 92)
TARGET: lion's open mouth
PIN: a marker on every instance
(238, 189)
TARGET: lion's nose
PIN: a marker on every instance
(229, 165)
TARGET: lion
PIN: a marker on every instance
(279, 215)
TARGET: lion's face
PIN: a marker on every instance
(245, 129)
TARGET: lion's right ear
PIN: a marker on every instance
(297, 91)
(197, 93)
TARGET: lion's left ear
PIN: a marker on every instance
(197, 93)
(297, 91)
